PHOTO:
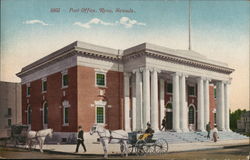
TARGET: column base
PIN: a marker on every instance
(178, 130)
(185, 130)
(201, 130)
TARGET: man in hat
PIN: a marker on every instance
(80, 139)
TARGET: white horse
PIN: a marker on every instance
(107, 136)
(39, 137)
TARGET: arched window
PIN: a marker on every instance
(66, 106)
(45, 113)
(191, 115)
(29, 111)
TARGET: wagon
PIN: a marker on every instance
(142, 144)
(18, 135)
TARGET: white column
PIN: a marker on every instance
(201, 126)
(146, 97)
(206, 102)
(226, 94)
(126, 102)
(220, 106)
(162, 99)
(176, 105)
(183, 105)
(154, 101)
(138, 101)
(133, 104)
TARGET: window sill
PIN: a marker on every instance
(101, 86)
(65, 125)
(191, 96)
(44, 92)
(63, 87)
(28, 96)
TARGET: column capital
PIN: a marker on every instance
(176, 74)
(136, 70)
(228, 81)
(142, 69)
(207, 79)
(184, 75)
(155, 69)
(126, 74)
(200, 78)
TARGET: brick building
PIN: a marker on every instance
(82, 84)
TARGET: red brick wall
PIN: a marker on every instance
(88, 93)
(54, 97)
(212, 102)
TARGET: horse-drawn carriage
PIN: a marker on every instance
(145, 144)
(134, 142)
(18, 135)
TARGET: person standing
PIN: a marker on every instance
(80, 139)
(208, 129)
(163, 123)
(215, 134)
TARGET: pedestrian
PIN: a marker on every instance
(163, 123)
(215, 134)
(80, 139)
(208, 129)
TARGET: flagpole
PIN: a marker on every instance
(189, 25)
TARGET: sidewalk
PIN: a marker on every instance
(115, 148)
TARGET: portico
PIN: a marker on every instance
(148, 69)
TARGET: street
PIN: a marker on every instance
(239, 153)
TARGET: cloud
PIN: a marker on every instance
(93, 21)
(128, 23)
(35, 21)
(125, 21)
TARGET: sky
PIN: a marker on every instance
(32, 29)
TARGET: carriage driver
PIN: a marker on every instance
(148, 134)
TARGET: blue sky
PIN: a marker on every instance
(220, 30)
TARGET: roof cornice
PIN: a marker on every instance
(179, 60)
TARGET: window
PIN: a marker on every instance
(191, 91)
(65, 80)
(9, 111)
(44, 85)
(214, 118)
(100, 79)
(99, 114)
(29, 111)
(214, 92)
(66, 113)
(28, 90)
(169, 88)
(191, 115)
(45, 113)
(9, 122)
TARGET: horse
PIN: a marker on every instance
(39, 136)
(108, 136)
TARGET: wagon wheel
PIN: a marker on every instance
(161, 146)
(149, 148)
(131, 149)
(140, 147)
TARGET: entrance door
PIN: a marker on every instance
(169, 116)
(191, 118)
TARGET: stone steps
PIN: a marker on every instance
(192, 137)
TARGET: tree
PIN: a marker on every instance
(234, 116)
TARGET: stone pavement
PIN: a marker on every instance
(96, 148)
